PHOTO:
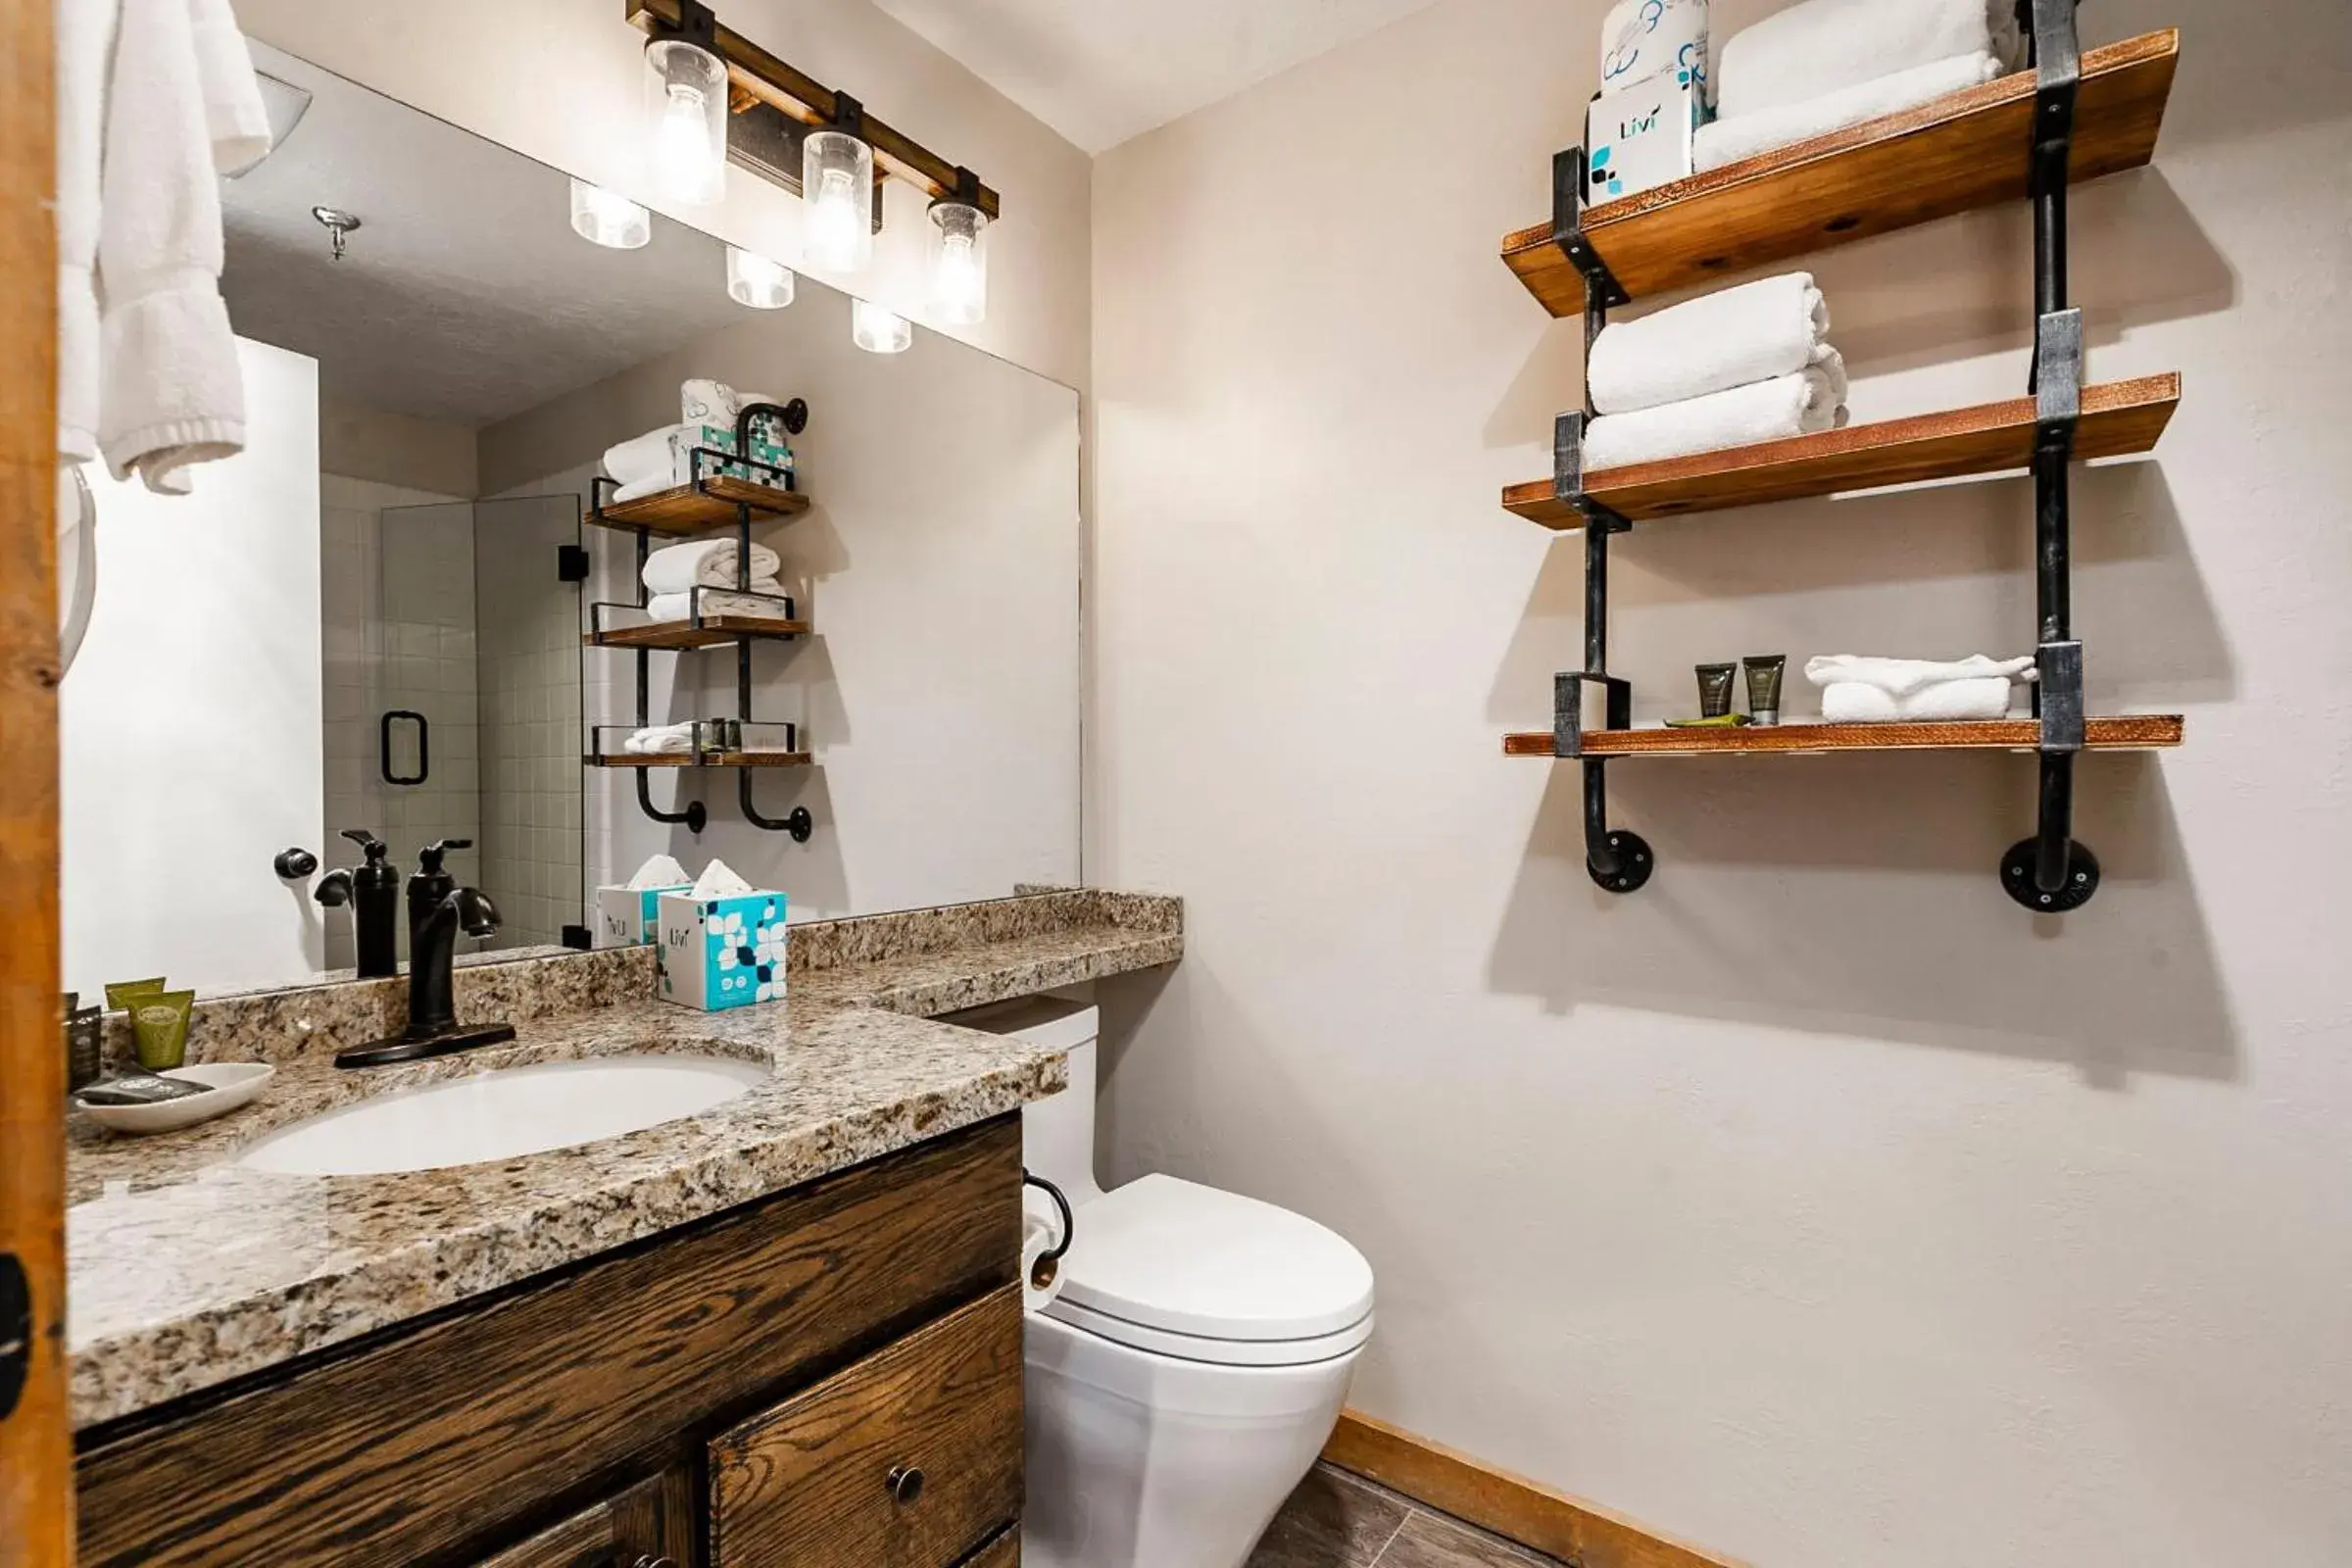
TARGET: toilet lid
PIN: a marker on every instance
(1170, 1255)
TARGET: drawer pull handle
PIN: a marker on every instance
(905, 1484)
(654, 1562)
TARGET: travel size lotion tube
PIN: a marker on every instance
(1764, 672)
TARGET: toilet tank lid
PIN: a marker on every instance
(1172, 1254)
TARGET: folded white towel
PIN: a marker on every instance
(641, 458)
(1853, 703)
(1905, 677)
(1729, 141)
(170, 392)
(1753, 332)
(660, 740)
(85, 42)
(1804, 403)
(1824, 46)
(704, 564)
(718, 601)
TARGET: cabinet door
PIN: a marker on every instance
(648, 1526)
(909, 1459)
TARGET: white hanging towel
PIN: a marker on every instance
(1727, 142)
(1773, 326)
(1824, 46)
(85, 39)
(182, 107)
(1806, 403)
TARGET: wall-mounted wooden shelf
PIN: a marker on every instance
(714, 632)
(1965, 151)
(2119, 419)
(2136, 732)
(717, 760)
(686, 510)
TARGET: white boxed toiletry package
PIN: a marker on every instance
(629, 916)
(1646, 38)
(722, 943)
(1641, 139)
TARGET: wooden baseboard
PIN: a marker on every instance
(1509, 1505)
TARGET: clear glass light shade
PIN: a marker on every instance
(686, 122)
(837, 182)
(877, 330)
(608, 218)
(958, 263)
(755, 280)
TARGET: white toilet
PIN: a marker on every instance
(1196, 1358)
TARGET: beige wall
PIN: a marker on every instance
(1816, 1202)
(559, 79)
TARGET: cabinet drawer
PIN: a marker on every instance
(909, 1459)
(648, 1526)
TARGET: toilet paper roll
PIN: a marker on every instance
(1645, 38)
(1041, 1232)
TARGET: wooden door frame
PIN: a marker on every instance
(36, 1474)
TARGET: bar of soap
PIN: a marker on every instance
(137, 1089)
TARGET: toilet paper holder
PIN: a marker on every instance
(1049, 1262)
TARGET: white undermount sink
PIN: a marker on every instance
(503, 1113)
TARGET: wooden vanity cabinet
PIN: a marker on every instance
(830, 1376)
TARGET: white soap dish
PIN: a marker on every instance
(227, 1085)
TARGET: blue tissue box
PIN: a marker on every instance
(722, 953)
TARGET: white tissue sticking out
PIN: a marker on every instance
(659, 872)
(719, 882)
(1041, 1229)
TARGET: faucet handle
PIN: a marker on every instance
(369, 845)
(428, 858)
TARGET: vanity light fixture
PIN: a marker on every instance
(686, 114)
(877, 330)
(792, 129)
(608, 218)
(755, 280)
(959, 256)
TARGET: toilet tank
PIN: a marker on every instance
(1058, 1133)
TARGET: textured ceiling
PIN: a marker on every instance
(1102, 71)
(466, 297)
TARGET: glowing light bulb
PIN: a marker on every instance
(755, 280)
(608, 218)
(877, 330)
(686, 122)
(958, 262)
(837, 180)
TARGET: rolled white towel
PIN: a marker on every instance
(1853, 703)
(1729, 139)
(717, 601)
(1824, 46)
(1905, 677)
(660, 740)
(1804, 403)
(1753, 332)
(704, 564)
(640, 458)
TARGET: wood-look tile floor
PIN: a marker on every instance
(1336, 1519)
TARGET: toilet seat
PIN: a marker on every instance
(1178, 1269)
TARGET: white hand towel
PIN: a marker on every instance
(1753, 332)
(1805, 403)
(170, 395)
(718, 601)
(1823, 46)
(85, 39)
(235, 114)
(705, 563)
(1851, 703)
(650, 455)
(1727, 140)
(660, 740)
(1905, 677)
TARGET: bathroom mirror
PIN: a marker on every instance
(373, 617)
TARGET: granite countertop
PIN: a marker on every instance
(185, 1272)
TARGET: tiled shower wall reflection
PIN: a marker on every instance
(454, 610)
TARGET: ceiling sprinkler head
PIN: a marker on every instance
(338, 223)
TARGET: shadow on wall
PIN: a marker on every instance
(1790, 894)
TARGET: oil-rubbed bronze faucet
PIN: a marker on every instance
(434, 1029)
